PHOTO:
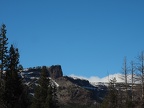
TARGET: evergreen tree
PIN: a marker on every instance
(55, 98)
(3, 60)
(111, 100)
(20, 68)
(15, 94)
(2, 84)
(49, 98)
(41, 90)
(45, 93)
(3, 49)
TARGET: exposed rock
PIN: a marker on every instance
(55, 71)
(69, 92)
(80, 82)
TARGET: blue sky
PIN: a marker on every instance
(86, 37)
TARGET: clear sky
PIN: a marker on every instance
(86, 37)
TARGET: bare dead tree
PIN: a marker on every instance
(124, 76)
(140, 68)
(132, 78)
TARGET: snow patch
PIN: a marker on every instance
(55, 83)
(95, 80)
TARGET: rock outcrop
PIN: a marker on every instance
(55, 71)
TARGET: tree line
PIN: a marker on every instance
(130, 92)
(13, 92)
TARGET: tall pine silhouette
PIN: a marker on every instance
(3, 48)
(3, 60)
(15, 94)
(44, 96)
(41, 90)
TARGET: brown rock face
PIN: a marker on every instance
(55, 71)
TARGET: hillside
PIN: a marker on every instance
(70, 91)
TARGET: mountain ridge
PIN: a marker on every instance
(69, 90)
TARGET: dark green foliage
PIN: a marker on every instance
(111, 100)
(41, 90)
(45, 93)
(36, 101)
(3, 61)
(49, 98)
(15, 94)
(55, 98)
(2, 84)
(3, 49)
(20, 67)
(12, 64)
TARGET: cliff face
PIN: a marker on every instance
(55, 71)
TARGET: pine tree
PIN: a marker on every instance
(2, 84)
(3, 60)
(49, 98)
(3, 49)
(111, 100)
(55, 98)
(20, 67)
(45, 93)
(41, 90)
(15, 94)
